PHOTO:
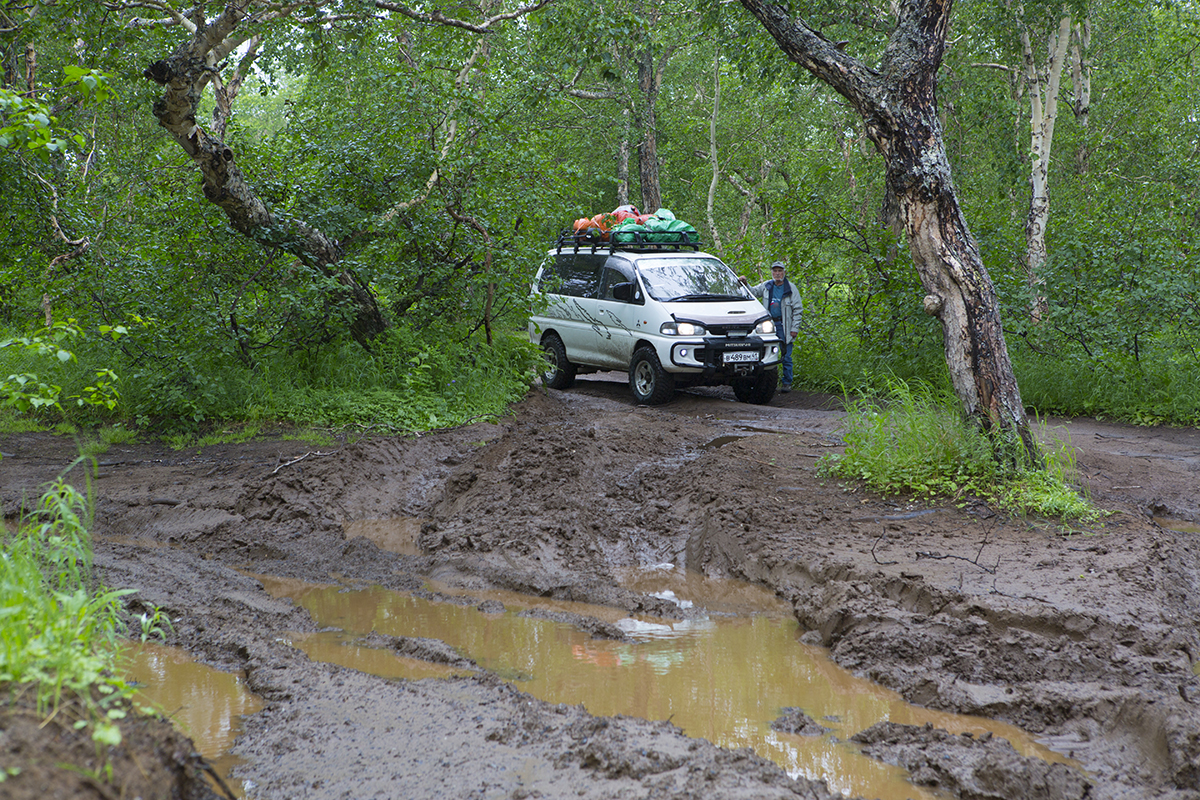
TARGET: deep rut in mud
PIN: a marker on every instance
(1086, 638)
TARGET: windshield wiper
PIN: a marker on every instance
(700, 297)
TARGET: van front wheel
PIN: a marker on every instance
(558, 373)
(651, 384)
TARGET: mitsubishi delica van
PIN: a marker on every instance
(668, 313)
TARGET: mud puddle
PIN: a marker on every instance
(745, 431)
(1178, 525)
(723, 676)
(202, 702)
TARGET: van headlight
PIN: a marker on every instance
(765, 328)
(681, 329)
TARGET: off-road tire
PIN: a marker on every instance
(758, 390)
(650, 383)
(558, 373)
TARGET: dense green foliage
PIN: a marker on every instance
(27, 391)
(442, 165)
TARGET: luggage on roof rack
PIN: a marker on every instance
(625, 229)
(641, 241)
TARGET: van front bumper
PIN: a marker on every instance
(718, 355)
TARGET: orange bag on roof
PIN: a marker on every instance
(603, 221)
(622, 213)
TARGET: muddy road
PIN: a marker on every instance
(1087, 639)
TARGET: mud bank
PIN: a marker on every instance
(1086, 638)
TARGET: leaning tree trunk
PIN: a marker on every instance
(898, 104)
(958, 289)
(184, 74)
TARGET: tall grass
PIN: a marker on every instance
(912, 438)
(414, 381)
(58, 631)
(411, 380)
(1157, 389)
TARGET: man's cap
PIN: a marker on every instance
(779, 265)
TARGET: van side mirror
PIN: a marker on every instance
(623, 292)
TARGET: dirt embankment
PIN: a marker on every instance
(1085, 638)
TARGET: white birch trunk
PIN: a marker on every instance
(1043, 88)
(712, 152)
(1081, 80)
(623, 161)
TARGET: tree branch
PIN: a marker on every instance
(438, 18)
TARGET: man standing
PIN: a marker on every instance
(782, 301)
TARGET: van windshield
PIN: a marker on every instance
(691, 280)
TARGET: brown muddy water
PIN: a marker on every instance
(1180, 525)
(723, 677)
(203, 702)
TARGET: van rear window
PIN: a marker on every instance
(573, 275)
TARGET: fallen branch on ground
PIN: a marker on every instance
(301, 458)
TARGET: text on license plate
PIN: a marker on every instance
(735, 357)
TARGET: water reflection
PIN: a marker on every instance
(204, 703)
(722, 678)
(338, 647)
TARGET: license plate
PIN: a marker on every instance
(738, 357)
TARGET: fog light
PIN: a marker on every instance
(683, 352)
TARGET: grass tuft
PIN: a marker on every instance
(912, 439)
(12, 421)
(58, 630)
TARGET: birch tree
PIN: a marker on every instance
(897, 101)
(1067, 41)
(202, 59)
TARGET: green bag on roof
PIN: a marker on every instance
(662, 227)
(628, 231)
(670, 230)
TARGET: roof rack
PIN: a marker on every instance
(638, 241)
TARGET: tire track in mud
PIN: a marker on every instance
(1086, 638)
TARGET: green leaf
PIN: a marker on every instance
(108, 734)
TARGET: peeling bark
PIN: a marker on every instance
(184, 75)
(898, 105)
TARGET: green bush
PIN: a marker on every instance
(44, 376)
(913, 439)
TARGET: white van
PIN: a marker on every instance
(669, 314)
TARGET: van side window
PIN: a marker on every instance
(551, 280)
(616, 271)
(610, 279)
